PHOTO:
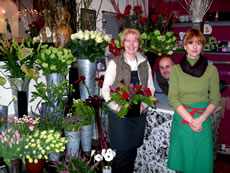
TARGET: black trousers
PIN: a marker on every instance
(124, 161)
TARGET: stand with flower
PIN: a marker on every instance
(87, 47)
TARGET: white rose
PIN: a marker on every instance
(99, 39)
(107, 38)
(73, 36)
(93, 35)
(80, 35)
(86, 36)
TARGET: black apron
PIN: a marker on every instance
(127, 133)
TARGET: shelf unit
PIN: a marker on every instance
(189, 24)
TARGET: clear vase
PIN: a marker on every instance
(87, 69)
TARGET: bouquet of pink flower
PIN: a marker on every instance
(24, 125)
(128, 95)
(11, 144)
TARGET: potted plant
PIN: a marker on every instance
(24, 125)
(129, 96)
(105, 157)
(11, 145)
(42, 143)
(86, 113)
(87, 47)
(72, 125)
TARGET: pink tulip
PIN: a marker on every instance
(31, 127)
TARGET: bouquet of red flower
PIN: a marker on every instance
(129, 95)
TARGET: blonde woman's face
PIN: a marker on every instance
(131, 44)
(193, 47)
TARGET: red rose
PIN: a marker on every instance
(154, 17)
(136, 8)
(77, 81)
(126, 13)
(137, 87)
(128, 7)
(102, 77)
(143, 19)
(148, 92)
(97, 78)
(139, 11)
(125, 95)
(175, 20)
(118, 16)
(100, 84)
(29, 25)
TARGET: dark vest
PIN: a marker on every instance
(123, 71)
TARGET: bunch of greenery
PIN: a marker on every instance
(52, 94)
(42, 143)
(159, 43)
(11, 145)
(55, 60)
(89, 44)
(72, 164)
(72, 123)
(85, 111)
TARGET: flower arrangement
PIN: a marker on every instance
(105, 157)
(41, 143)
(72, 164)
(72, 123)
(55, 60)
(20, 59)
(11, 145)
(24, 125)
(86, 113)
(159, 43)
(50, 118)
(93, 41)
(127, 95)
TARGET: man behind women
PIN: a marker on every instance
(194, 94)
(126, 134)
(161, 79)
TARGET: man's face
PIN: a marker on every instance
(165, 66)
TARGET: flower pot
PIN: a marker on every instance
(107, 169)
(16, 166)
(86, 137)
(87, 69)
(73, 143)
(35, 167)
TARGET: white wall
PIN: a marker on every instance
(6, 95)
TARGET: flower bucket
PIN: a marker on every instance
(17, 84)
(73, 143)
(87, 69)
(53, 157)
(55, 78)
(22, 104)
(3, 111)
(16, 166)
(35, 167)
(86, 137)
(107, 169)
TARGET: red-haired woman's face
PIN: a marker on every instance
(131, 44)
(194, 47)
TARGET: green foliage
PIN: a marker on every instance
(86, 112)
(52, 94)
(55, 60)
(72, 123)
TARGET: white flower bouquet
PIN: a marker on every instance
(89, 44)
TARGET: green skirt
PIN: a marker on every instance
(191, 152)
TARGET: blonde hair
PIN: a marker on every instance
(191, 33)
(131, 31)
